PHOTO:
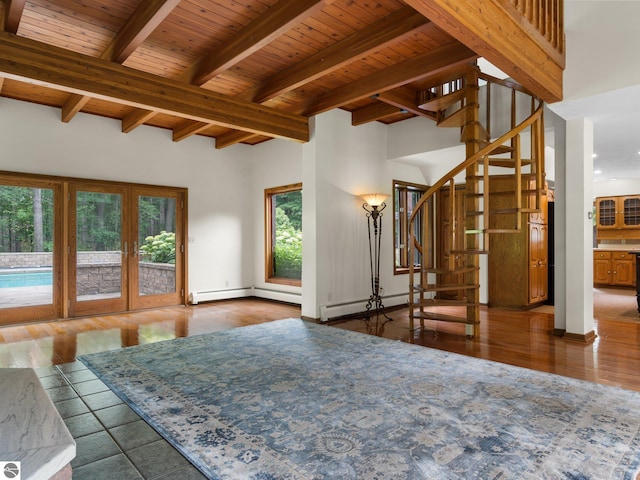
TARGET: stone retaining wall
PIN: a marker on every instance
(157, 278)
(45, 259)
(99, 272)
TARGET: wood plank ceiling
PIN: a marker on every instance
(234, 70)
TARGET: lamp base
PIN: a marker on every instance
(375, 308)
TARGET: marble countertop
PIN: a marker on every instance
(32, 431)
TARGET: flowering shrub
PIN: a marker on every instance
(160, 248)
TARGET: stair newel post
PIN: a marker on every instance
(472, 202)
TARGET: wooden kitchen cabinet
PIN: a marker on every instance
(614, 268)
(518, 262)
(618, 212)
(601, 268)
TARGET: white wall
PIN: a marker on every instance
(34, 140)
(346, 162)
(273, 164)
(622, 186)
(602, 41)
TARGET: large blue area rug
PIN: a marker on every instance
(295, 400)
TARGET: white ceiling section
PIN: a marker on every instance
(602, 81)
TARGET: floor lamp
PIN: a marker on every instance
(373, 205)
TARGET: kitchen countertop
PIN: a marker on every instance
(619, 248)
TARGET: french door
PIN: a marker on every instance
(126, 248)
(72, 247)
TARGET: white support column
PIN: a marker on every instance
(309, 227)
(579, 229)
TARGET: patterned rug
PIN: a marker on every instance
(295, 400)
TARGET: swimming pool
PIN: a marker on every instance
(25, 279)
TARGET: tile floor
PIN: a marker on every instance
(112, 441)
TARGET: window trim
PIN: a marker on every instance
(399, 185)
(269, 193)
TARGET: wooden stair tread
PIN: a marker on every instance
(492, 230)
(469, 252)
(456, 119)
(508, 162)
(467, 133)
(442, 102)
(442, 317)
(447, 271)
(439, 302)
(433, 287)
(499, 149)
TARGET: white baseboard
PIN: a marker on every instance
(230, 293)
(336, 310)
(211, 295)
(280, 296)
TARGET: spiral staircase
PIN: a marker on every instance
(501, 125)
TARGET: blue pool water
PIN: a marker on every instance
(25, 279)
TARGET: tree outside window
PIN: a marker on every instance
(405, 197)
(283, 208)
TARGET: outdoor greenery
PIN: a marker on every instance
(288, 235)
(26, 221)
(159, 248)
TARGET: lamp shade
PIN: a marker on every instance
(374, 199)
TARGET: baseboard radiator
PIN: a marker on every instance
(337, 310)
(226, 294)
(210, 295)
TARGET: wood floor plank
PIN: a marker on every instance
(522, 338)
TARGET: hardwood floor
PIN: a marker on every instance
(514, 337)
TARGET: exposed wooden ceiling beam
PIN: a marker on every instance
(274, 22)
(12, 15)
(138, 27)
(147, 17)
(278, 19)
(401, 73)
(25, 59)
(513, 47)
(392, 27)
(232, 137)
(371, 113)
(187, 129)
(136, 118)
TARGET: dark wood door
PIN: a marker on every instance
(449, 218)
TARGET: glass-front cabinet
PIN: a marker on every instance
(631, 211)
(618, 212)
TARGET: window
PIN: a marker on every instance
(283, 220)
(405, 197)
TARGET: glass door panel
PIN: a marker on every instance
(26, 246)
(99, 252)
(159, 236)
(157, 241)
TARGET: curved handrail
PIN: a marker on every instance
(476, 157)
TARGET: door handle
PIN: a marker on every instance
(135, 249)
(125, 249)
